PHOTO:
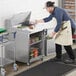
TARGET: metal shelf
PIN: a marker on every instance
(69, 10)
(66, 4)
(69, 2)
(36, 42)
(36, 58)
(4, 59)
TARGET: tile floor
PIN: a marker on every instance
(22, 66)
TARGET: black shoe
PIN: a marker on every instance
(69, 61)
(55, 59)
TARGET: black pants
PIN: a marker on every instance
(68, 50)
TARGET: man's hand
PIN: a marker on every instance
(39, 21)
(33, 22)
(53, 34)
(31, 27)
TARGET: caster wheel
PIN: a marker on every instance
(3, 72)
(41, 59)
(28, 64)
(15, 67)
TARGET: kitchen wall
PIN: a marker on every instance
(10, 7)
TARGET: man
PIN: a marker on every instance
(60, 16)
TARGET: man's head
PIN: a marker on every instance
(49, 6)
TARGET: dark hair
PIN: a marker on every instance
(49, 4)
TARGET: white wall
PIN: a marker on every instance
(11, 7)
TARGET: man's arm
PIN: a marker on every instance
(47, 19)
(59, 22)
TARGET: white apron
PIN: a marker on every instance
(64, 36)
